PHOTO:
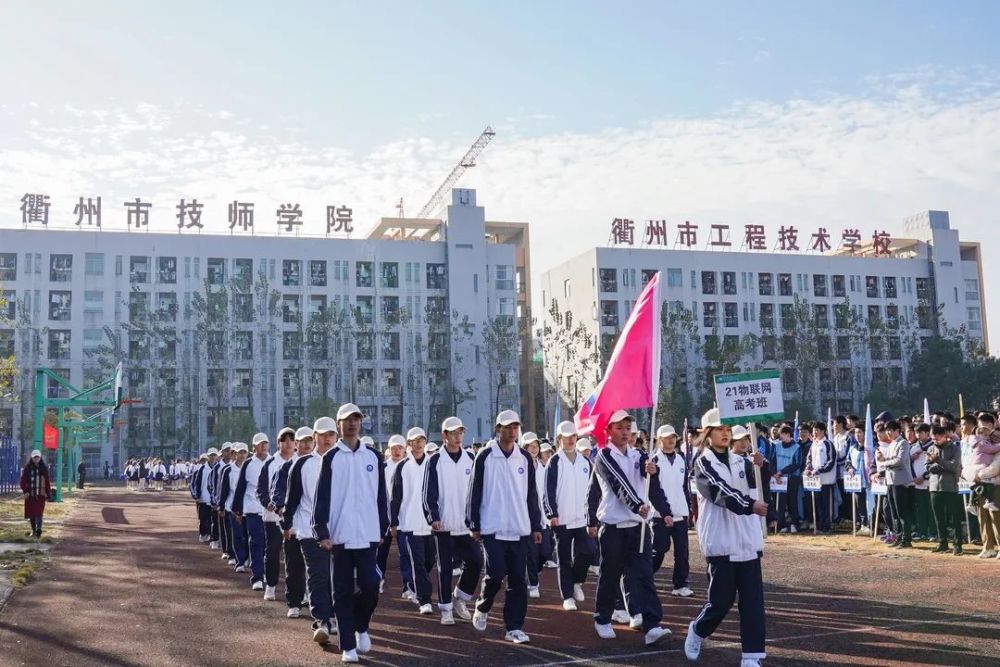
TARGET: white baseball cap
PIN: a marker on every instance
(583, 444)
(288, 429)
(259, 438)
(665, 430)
(711, 419)
(740, 432)
(619, 415)
(348, 409)
(303, 433)
(367, 441)
(202, 456)
(507, 417)
(546, 447)
(226, 445)
(528, 438)
(414, 433)
(212, 451)
(239, 447)
(566, 428)
(396, 440)
(451, 424)
(432, 447)
(325, 425)
(635, 427)
(36, 452)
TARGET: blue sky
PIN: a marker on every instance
(818, 113)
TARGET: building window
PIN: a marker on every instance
(290, 311)
(892, 316)
(318, 380)
(838, 286)
(845, 380)
(731, 313)
(729, 282)
(505, 276)
(317, 272)
(821, 315)
(785, 284)
(6, 343)
(317, 305)
(609, 313)
(871, 286)
(318, 345)
(8, 266)
(366, 381)
(874, 315)
(826, 380)
(765, 284)
(710, 314)
(767, 315)
(167, 270)
(788, 346)
(923, 288)
(768, 348)
(291, 345)
(708, 282)
(895, 348)
(841, 316)
(364, 310)
(824, 348)
(790, 380)
(166, 306)
(390, 346)
(8, 299)
(59, 305)
(242, 307)
(819, 284)
(974, 319)
(59, 344)
(609, 280)
(291, 272)
(889, 283)
(216, 270)
(436, 310)
(390, 309)
(243, 270)
(61, 268)
(363, 274)
(93, 264)
(787, 316)
(971, 289)
(843, 347)
(876, 348)
(437, 347)
(675, 278)
(437, 276)
(390, 275)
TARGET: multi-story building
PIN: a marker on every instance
(417, 321)
(837, 323)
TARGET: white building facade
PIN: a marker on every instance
(858, 314)
(208, 324)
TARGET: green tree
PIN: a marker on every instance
(236, 425)
(8, 368)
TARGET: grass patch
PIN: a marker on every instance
(12, 507)
(24, 573)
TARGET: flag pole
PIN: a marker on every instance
(757, 476)
(655, 380)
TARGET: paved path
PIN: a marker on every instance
(129, 585)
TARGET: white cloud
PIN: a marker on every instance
(920, 140)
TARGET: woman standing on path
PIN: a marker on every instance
(36, 487)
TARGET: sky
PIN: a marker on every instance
(820, 114)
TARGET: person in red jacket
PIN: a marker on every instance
(36, 487)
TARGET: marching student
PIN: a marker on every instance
(788, 467)
(731, 541)
(350, 520)
(944, 465)
(295, 565)
(199, 491)
(446, 493)
(406, 516)
(272, 533)
(227, 495)
(567, 481)
(215, 485)
(538, 554)
(503, 513)
(396, 452)
(247, 508)
(822, 461)
(673, 477)
(899, 479)
(620, 471)
(297, 517)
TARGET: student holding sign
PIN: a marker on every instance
(822, 461)
(732, 543)
(788, 469)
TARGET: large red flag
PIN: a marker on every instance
(632, 379)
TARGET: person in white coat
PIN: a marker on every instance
(672, 529)
(406, 516)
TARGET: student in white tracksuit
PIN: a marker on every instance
(396, 454)
(406, 515)
(272, 533)
(673, 529)
(567, 480)
(729, 532)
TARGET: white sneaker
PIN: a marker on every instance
(594, 569)
(784, 530)
(620, 616)
(204, 538)
(656, 634)
(409, 595)
(749, 662)
(293, 612)
(349, 656)
(533, 592)
(257, 586)
(479, 620)
(604, 631)
(426, 609)
(517, 636)
(578, 593)
(569, 604)
(793, 529)
(240, 569)
(269, 593)
(321, 634)
(232, 561)
(683, 592)
(364, 642)
(987, 553)
(551, 564)
(447, 618)
(213, 545)
(692, 643)
(635, 622)
(459, 609)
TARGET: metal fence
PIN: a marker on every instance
(10, 466)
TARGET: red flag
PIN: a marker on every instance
(632, 378)
(50, 436)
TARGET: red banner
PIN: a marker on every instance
(50, 437)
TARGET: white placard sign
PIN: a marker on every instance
(879, 489)
(779, 486)
(964, 488)
(852, 483)
(811, 483)
(746, 397)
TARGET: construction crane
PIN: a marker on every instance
(468, 160)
